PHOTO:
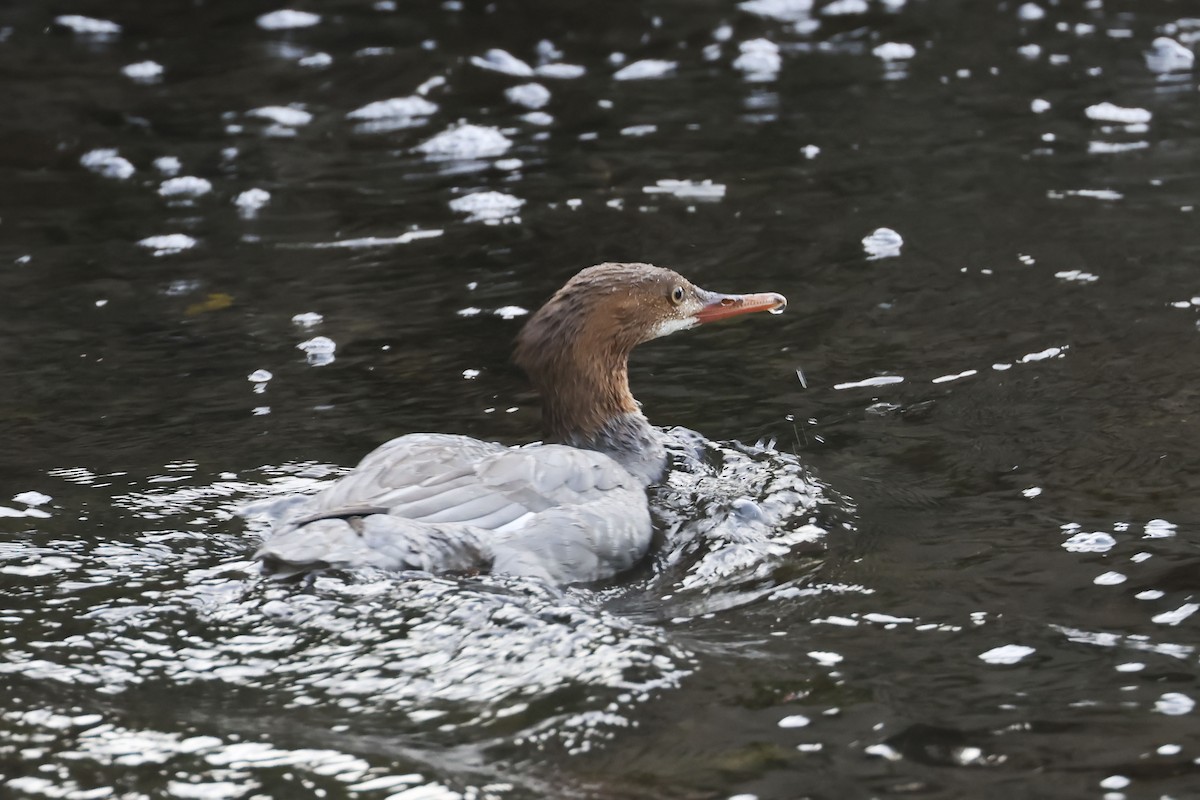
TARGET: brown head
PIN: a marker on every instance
(575, 349)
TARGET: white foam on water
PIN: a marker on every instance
(560, 71)
(528, 95)
(107, 163)
(250, 201)
(168, 244)
(841, 8)
(882, 243)
(168, 165)
(881, 380)
(694, 190)
(1006, 654)
(466, 141)
(947, 378)
(639, 130)
(783, 10)
(318, 350)
(1167, 55)
(307, 319)
(1094, 542)
(759, 59)
(32, 498)
(143, 71)
(894, 51)
(88, 26)
(287, 19)
(1109, 112)
(1030, 12)
(1094, 194)
(1115, 147)
(491, 208)
(497, 60)
(647, 68)
(396, 107)
(1176, 616)
(1174, 704)
(288, 116)
(364, 242)
(1077, 275)
(316, 60)
(184, 186)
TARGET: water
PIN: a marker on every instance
(227, 278)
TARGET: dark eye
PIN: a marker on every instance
(677, 295)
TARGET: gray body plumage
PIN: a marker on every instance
(445, 503)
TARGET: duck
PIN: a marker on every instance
(570, 509)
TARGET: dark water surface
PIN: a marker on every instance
(991, 589)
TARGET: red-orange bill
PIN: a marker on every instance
(721, 306)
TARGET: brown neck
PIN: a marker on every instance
(582, 388)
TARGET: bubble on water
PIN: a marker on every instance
(795, 721)
(1109, 579)
(308, 319)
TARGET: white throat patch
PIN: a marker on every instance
(669, 326)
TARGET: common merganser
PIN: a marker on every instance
(570, 511)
